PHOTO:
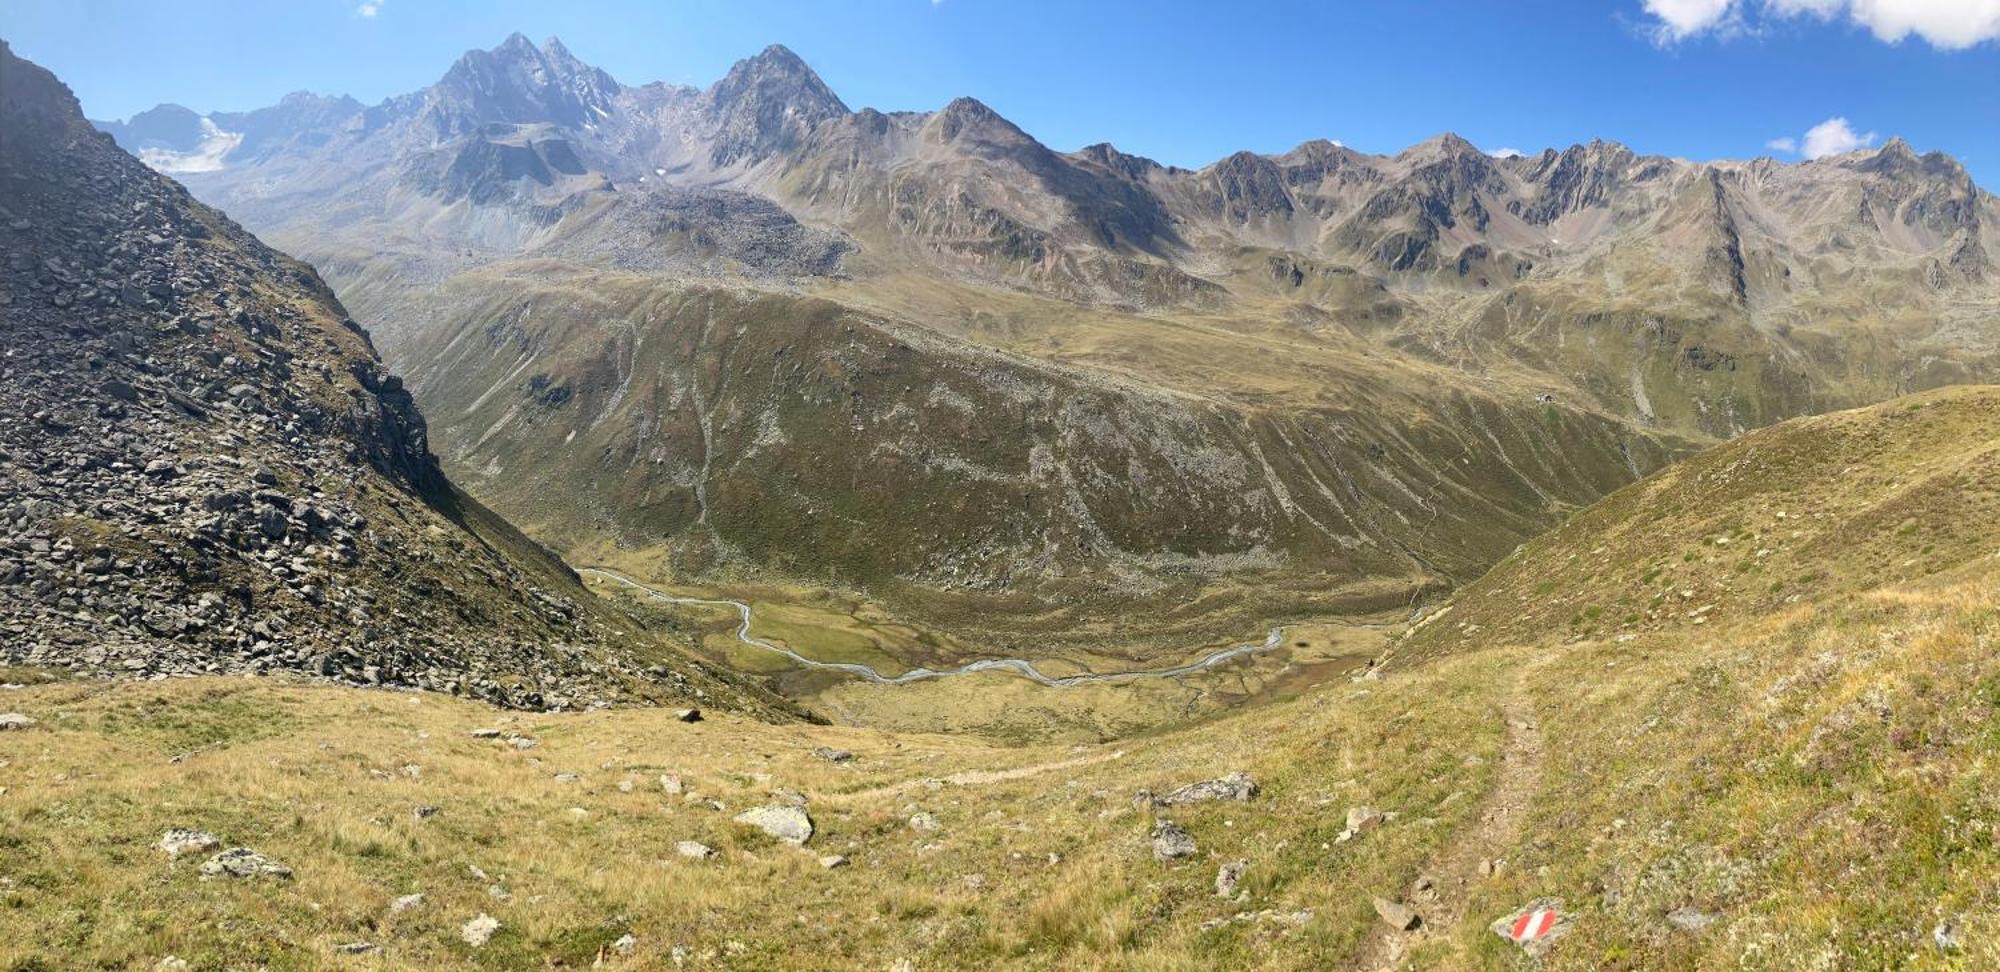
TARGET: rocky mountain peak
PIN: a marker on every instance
(776, 76)
(970, 120)
(1123, 164)
(517, 83)
(1442, 145)
(766, 105)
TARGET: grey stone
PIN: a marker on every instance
(242, 862)
(1397, 915)
(789, 824)
(180, 841)
(1171, 841)
(1236, 786)
(479, 930)
(1227, 876)
(1689, 919)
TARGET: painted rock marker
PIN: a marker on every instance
(1535, 926)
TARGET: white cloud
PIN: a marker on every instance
(370, 8)
(1945, 24)
(1685, 18)
(1832, 137)
(1783, 144)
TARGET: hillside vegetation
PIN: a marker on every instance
(1798, 777)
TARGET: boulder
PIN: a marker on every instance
(789, 824)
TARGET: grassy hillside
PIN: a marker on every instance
(1799, 778)
(696, 435)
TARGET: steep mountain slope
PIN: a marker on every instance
(1773, 783)
(205, 468)
(718, 433)
(1353, 371)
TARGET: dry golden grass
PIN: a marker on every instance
(315, 777)
(1813, 768)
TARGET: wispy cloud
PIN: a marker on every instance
(1945, 24)
(370, 8)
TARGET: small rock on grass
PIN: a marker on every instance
(1360, 820)
(242, 862)
(479, 931)
(1397, 915)
(180, 841)
(1236, 786)
(1171, 841)
(1227, 877)
(1689, 919)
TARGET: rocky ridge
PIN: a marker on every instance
(204, 467)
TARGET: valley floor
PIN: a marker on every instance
(1808, 789)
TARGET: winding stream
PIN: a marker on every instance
(1020, 666)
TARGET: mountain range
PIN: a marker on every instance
(1687, 703)
(749, 331)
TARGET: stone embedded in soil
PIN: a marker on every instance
(1397, 915)
(479, 931)
(1237, 786)
(789, 824)
(242, 862)
(1171, 841)
(180, 841)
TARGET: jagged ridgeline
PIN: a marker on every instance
(749, 329)
(204, 467)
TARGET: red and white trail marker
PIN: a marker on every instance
(1532, 925)
(1535, 926)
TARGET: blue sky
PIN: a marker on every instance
(1182, 82)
